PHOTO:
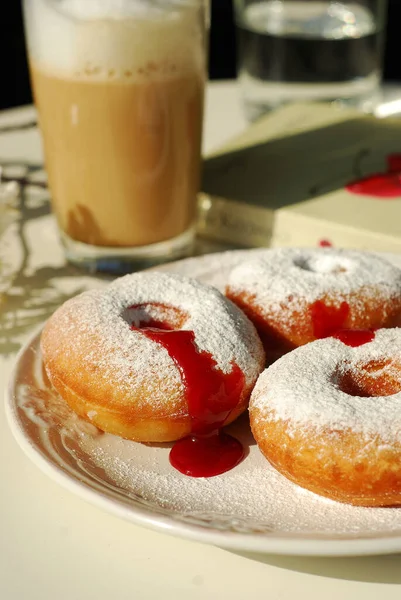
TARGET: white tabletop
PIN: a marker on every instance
(55, 546)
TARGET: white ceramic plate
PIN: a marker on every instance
(251, 508)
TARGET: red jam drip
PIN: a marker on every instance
(211, 396)
(325, 244)
(355, 337)
(327, 320)
(381, 185)
(206, 456)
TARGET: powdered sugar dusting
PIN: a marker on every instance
(128, 358)
(302, 388)
(220, 328)
(93, 337)
(285, 275)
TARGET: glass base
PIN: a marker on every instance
(126, 260)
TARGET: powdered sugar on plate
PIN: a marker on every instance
(253, 493)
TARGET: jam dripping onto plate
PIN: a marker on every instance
(206, 456)
(211, 396)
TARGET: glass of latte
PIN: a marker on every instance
(119, 85)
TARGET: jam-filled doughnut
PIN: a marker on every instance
(153, 357)
(295, 296)
(328, 416)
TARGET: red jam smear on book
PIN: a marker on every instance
(211, 396)
(355, 337)
(385, 185)
(328, 320)
(325, 243)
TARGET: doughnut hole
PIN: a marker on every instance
(323, 264)
(155, 315)
(380, 377)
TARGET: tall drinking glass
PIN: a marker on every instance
(119, 87)
(310, 50)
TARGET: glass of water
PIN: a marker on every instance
(309, 50)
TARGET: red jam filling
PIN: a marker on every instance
(327, 320)
(355, 337)
(211, 396)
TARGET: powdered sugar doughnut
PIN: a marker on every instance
(103, 351)
(295, 296)
(328, 417)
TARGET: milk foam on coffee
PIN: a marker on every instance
(115, 39)
(101, 9)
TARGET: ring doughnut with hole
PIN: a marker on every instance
(328, 417)
(128, 358)
(295, 296)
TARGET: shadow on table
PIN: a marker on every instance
(30, 293)
(371, 569)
